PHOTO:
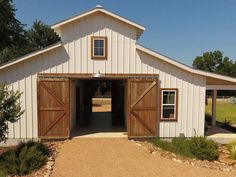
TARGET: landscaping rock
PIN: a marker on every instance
(177, 160)
(50, 163)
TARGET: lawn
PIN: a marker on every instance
(224, 110)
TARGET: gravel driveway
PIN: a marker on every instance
(119, 157)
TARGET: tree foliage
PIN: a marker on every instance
(40, 36)
(215, 62)
(11, 29)
(10, 109)
(16, 41)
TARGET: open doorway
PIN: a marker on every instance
(99, 106)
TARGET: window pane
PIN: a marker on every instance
(101, 43)
(96, 43)
(168, 97)
(96, 51)
(168, 112)
(100, 51)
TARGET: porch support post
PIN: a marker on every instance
(214, 97)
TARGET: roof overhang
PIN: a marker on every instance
(221, 87)
(140, 29)
(211, 78)
(31, 55)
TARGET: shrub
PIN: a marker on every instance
(204, 149)
(182, 146)
(39, 146)
(26, 158)
(233, 152)
(10, 109)
(164, 145)
(198, 147)
(8, 162)
(2, 173)
(232, 149)
(177, 146)
(231, 144)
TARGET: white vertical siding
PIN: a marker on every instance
(191, 98)
(75, 57)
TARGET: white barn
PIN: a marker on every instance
(159, 96)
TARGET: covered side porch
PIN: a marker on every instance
(219, 131)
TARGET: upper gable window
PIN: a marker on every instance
(99, 47)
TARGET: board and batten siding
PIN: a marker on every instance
(191, 98)
(75, 57)
(76, 38)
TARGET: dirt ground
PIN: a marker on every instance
(101, 104)
(107, 157)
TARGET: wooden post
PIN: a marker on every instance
(214, 98)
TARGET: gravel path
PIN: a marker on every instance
(119, 157)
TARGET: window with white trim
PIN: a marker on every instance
(169, 104)
(99, 47)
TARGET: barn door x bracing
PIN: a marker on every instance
(142, 106)
(53, 108)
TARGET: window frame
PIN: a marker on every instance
(175, 119)
(97, 57)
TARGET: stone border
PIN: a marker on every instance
(54, 149)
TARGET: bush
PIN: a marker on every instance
(2, 173)
(233, 152)
(168, 146)
(26, 158)
(177, 146)
(39, 146)
(182, 146)
(198, 147)
(232, 149)
(10, 109)
(203, 149)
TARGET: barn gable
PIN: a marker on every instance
(98, 10)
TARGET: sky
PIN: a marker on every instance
(180, 29)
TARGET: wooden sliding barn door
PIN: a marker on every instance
(142, 107)
(53, 108)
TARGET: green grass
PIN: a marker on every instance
(224, 110)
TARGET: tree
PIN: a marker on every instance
(41, 35)
(10, 109)
(11, 29)
(215, 62)
(38, 37)
(16, 41)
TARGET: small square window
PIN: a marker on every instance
(169, 104)
(99, 47)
